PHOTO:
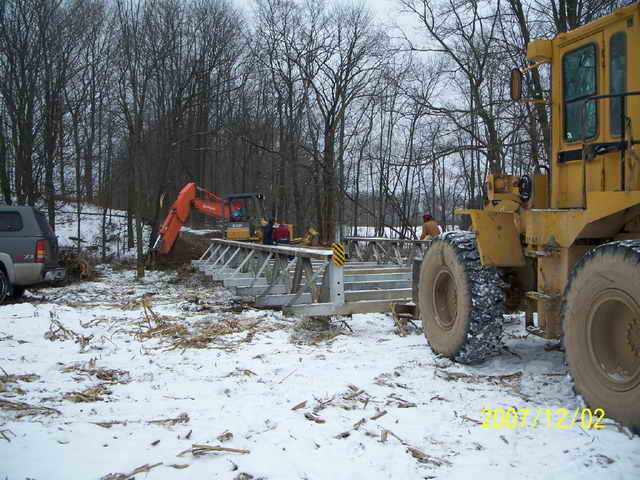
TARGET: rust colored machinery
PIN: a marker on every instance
(240, 212)
(563, 245)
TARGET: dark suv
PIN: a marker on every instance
(28, 250)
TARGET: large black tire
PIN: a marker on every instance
(5, 286)
(461, 301)
(601, 323)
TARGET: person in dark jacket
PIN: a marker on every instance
(267, 233)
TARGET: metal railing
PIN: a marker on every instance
(398, 251)
(304, 280)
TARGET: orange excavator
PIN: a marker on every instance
(242, 214)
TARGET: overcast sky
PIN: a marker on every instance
(385, 10)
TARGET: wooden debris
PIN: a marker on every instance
(131, 475)
(316, 330)
(182, 418)
(314, 418)
(388, 380)
(510, 381)
(197, 450)
(464, 377)
(438, 397)
(299, 405)
(179, 466)
(243, 476)
(423, 457)
(25, 409)
(242, 372)
(77, 264)
(91, 394)
(294, 371)
(402, 403)
(4, 434)
(155, 442)
(205, 333)
(403, 315)
(110, 424)
(354, 395)
(379, 414)
(105, 374)
(57, 331)
(322, 404)
(343, 435)
(359, 423)
(225, 436)
(415, 452)
(31, 377)
(469, 419)
(384, 435)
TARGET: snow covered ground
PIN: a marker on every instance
(101, 378)
(66, 229)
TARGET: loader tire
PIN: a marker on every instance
(461, 301)
(601, 323)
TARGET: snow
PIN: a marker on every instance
(66, 229)
(126, 337)
(248, 382)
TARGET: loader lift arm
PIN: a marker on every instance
(179, 213)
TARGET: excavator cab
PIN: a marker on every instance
(246, 211)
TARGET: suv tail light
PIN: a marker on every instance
(41, 251)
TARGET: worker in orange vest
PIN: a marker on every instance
(430, 227)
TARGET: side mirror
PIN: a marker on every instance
(516, 84)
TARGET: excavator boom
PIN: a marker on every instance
(179, 213)
(225, 208)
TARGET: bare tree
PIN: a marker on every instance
(136, 58)
(20, 65)
(343, 52)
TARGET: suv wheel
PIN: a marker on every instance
(18, 291)
(4, 286)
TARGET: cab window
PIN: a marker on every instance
(10, 222)
(617, 82)
(579, 83)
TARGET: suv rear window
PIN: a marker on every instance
(10, 222)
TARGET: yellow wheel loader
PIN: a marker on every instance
(562, 246)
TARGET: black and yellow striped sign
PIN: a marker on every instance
(338, 254)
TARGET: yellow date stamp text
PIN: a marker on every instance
(562, 418)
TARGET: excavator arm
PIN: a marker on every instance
(179, 213)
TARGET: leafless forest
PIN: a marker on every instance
(337, 118)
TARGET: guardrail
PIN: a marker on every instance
(398, 251)
(304, 280)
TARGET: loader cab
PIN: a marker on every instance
(245, 212)
(595, 105)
